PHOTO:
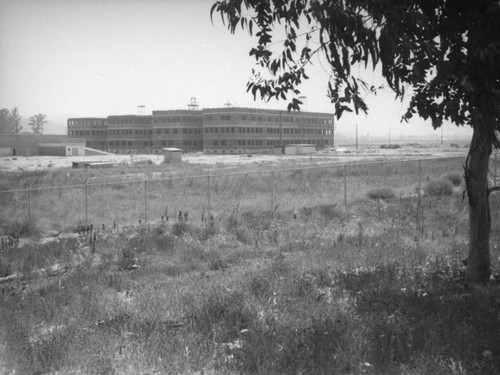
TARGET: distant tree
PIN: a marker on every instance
(4, 121)
(37, 122)
(10, 121)
(15, 119)
(446, 51)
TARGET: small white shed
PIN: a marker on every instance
(61, 149)
(304, 149)
(300, 149)
(172, 155)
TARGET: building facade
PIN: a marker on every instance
(244, 130)
(93, 129)
(130, 133)
(178, 128)
(227, 130)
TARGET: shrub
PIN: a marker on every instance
(19, 229)
(454, 177)
(439, 187)
(260, 286)
(5, 269)
(381, 193)
(128, 259)
(211, 229)
(243, 234)
(180, 227)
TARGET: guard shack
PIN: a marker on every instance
(172, 155)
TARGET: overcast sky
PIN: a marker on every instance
(76, 58)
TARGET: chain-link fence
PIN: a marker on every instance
(220, 193)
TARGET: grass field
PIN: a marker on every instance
(284, 279)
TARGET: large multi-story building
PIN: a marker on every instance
(178, 128)
(130, 133)
(240, 130)
(211, 130)
(93, 129)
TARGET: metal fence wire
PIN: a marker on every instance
(220, 192)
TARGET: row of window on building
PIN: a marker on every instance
(307, 120)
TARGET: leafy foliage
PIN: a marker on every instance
(446, 51)
(36, 122)
(10, 121)
(439, 187)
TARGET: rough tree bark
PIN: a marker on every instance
(476, 179)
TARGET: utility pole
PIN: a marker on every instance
(333, 131)
(356, 137)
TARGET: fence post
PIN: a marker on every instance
(29, 206)
(419, 201)
(345, 184)
(86, 198)
(272, 189)
(145, 201)
(209, 190)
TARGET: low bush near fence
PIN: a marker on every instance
(381, 193)
(439, 187)
(454, 177)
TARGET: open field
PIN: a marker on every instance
(279, 276)
(37, 163)
(143, 188)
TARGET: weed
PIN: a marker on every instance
(260, 287)
(381, 194)
(454, 177)
(210, 229)
(128, 259)
(5, 269)
(222, 316)
(22, 228)
(439, 187)
(181, 227)
(217, 264)
(243, 234)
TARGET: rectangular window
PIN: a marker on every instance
(216, 143)
(176, 131)
(223, 143)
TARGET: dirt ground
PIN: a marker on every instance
(32, 163)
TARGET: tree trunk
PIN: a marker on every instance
(476, 179)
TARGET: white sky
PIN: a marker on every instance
(76, 58)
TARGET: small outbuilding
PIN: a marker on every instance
(61, 149)
(172, 155)
(300, 149)
(7, 151)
